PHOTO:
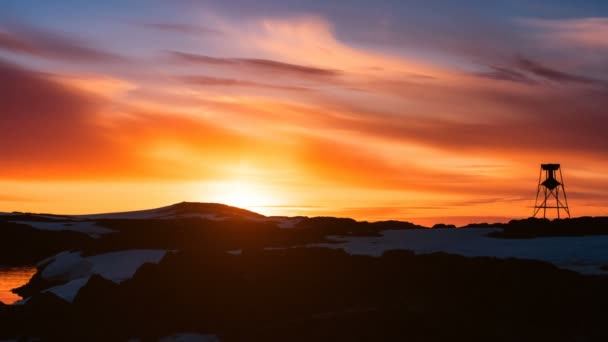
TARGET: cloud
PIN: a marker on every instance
(423, 135)
(228, 82)
(38, 136)
(557, 75)
(35, 42)
(506, 74)
(256, 64)
(182, 28)
(362, 165)
(11, 42)
(104, 86)
(72, 133)
(577, 32)
(526, 71)
(576, 120)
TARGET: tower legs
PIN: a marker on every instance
(548, 191)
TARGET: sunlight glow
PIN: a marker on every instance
(243, 194)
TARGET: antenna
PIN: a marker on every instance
(548, 189)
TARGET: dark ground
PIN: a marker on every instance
(304, 294)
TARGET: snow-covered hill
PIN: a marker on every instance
(212, 211)
(87, 223)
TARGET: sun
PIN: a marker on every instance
(242, 194)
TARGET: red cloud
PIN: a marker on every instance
(46, 44)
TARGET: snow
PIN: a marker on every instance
(21, 302)
(86, 222)
(137, 214)
(87, 227)
(66, 266)
(120, 266)
(44, 216)
(76, 269)
(68, 290)
(584, 254)
(168, 212)
(190, 337)
(211, 217)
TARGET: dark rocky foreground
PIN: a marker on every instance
(21, 244)
(535, 227)
(318, 294)
(273, 291)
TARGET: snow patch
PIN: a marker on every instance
(68, 290)
(66, 266)
(120, 266)
(76, 269)
(86, 227)
(211, 217)
(583, 254)
(168, 212)
(136, 215)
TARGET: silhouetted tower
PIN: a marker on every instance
(549, 189)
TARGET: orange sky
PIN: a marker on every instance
(281, 115)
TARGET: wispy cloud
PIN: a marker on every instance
(256, 64)
(11, 42)
(557, 75)
(228, 82)
(44, 43)
(39, 134)
(181, 28)
(527, 71)
(506, 74)
(577, 32)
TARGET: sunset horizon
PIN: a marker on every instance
(303, 170)
(304, 212)
(371, 112)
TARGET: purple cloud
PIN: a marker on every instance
(256, 64)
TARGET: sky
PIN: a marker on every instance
(428, 111)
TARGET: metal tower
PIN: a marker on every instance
(549, 189)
